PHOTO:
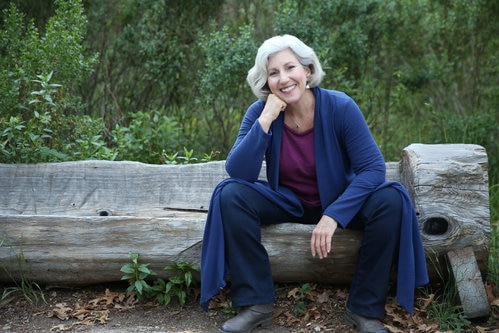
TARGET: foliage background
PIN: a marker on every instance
(152, 80)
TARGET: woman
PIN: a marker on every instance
(323, 168)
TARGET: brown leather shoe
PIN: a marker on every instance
(365, 324)
(250, 318)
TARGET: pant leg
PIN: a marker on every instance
(380, 218)
(243, 212)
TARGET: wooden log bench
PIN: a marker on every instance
(75, 223)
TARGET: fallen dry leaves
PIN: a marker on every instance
(321, 310)
(95, 311)
(324, 308)
(399, 321)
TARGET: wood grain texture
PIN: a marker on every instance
(54, 214)
(448, 184)
(449, 187)
(469, 282)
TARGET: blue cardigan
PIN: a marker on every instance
(349, 168)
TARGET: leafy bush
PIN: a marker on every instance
(49, 137)
(149, 55)
(224, 93)
(26, 54)
(33, 108)
(146, 136)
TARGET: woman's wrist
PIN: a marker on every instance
(265, 123)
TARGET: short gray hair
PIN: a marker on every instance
(257, 75)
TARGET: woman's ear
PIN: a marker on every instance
(310, 71)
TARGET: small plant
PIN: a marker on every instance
(302, 295)
(177, 285)
(188, 158)
(136, 275)
(443, 309)
(163, 291)
(210, 157)
(170, 158)
(30, 290)
(450, 317)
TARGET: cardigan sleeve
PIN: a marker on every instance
(356, 164)
(245, 159)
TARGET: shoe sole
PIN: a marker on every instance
(266, 323)
(353, 323)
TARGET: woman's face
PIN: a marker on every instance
(286, 77)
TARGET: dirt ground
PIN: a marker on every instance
(106, 309)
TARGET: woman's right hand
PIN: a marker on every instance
(322, 236)
(273, 107)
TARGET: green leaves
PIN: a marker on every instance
(177, 285)
(224, 94)
(29, 99)
(136, 274)
(47, 90)
(146, 136)
(26, 53)
(303, 296)
(163, 291)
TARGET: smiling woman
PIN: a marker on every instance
(288, 81)
(323, 169)
(258, 74)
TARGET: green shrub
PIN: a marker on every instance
(145, 138)
(177, 285)
(27, 54)
(224, 93)
(39, 78)
(163, 291)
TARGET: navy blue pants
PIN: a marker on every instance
(244, 211)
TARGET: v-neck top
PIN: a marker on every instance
(297, 168)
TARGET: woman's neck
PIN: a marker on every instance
(300, 116)
(304, 107)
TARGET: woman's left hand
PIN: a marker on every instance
(320, 244)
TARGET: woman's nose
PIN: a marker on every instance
(283, 77)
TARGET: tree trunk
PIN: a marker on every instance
(76, 222)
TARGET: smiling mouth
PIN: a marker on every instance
(288, 89)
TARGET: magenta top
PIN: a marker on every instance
(297, 166)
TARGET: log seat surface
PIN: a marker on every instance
(75, 223)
